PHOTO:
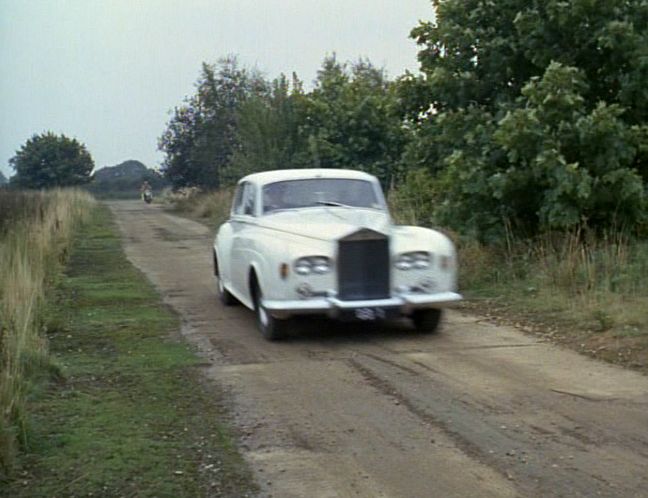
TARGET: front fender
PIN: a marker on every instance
(410, 239)
(272, 249)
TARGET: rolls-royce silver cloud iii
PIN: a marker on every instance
(321, 241)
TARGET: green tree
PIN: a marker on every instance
(531, 114)
(351, 120)
(201, 136)
(50, 160)
(269, 130)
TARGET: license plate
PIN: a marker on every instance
(370, 314)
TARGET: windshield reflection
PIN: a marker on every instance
(312, 192)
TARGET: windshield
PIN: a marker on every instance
(312, 192)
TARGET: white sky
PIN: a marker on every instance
(108, 71)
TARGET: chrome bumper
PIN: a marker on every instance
(332, 306)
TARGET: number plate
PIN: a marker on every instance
(370, 314)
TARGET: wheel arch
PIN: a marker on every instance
(253, 283)
(215, 255)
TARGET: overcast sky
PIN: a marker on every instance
(108, 71)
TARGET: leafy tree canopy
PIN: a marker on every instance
(269, 130)
(201, 136)
(531, 114)
(237, 123)
(351, 120)
(49, 160)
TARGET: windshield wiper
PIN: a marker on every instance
(332, 203)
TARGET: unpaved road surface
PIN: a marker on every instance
(354, 411)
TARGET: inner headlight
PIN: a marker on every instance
(303, 266)
(404, 262)
(312, 264)
(418, 260)
(421, 260)
(321, 264)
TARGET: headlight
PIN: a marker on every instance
(321, 265)
(312, 264)
(418, 260)
(404, 262)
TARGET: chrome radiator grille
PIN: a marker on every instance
(363, 266)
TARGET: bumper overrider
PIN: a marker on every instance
(368, 309)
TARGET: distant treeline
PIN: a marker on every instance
(124, 180)
(526, 117)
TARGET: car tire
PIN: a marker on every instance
(270, 327)
(224, 295)
(427, 321)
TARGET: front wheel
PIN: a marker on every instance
(270, 327)
(427, 321)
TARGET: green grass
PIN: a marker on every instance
(126, 412)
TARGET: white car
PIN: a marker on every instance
(321, 241)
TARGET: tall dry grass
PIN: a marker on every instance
(35, 231)
(594, 282)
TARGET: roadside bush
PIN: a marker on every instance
(413, 202)
(213, 206)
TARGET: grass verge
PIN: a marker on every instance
(586, 293)
(126, 413)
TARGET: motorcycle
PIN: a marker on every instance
(147, 195)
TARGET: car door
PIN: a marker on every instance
(224, 240)
(243, 224)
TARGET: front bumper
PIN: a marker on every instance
(333, 307)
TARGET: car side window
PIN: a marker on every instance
(237, 205)
(249, 199)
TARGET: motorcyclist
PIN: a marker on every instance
(145, 190)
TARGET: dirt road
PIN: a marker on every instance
(354, 411)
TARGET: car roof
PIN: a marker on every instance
(278, 175)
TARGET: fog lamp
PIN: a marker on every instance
(304, 291)
(427, 284)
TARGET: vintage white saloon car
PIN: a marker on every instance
(321, 241)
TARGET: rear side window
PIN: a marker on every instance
(249, 200)
(244, 199)
(237, 205)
